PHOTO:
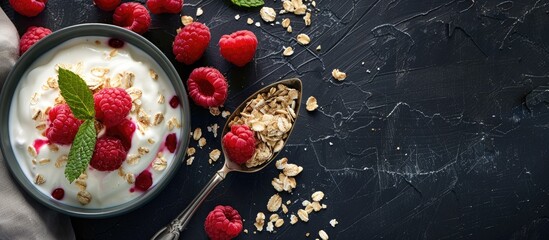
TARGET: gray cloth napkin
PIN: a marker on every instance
(20, 216)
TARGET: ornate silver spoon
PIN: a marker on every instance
(172, 230)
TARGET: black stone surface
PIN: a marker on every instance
(429, 137)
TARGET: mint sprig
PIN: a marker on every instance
(81, 150)
(248, 3)
(78, 96)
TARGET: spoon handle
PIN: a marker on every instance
(171, 232)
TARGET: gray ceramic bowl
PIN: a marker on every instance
(42, 47)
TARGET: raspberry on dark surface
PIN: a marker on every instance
(122, 131)
(32, 36)
(108, 155)
(207, 87)
(29, 8)
(239, 47)
(239, 143)
(222, 223)
(63, 125)
(106, 5)
(191, 43)
(133, 16)
(116, 43)
(143, 181)
(174, 102)
(58, 193)
(112, 105)
(171, 142)
(164, 6)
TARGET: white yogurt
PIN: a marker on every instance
(106, 188)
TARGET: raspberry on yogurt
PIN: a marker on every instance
(131, 123)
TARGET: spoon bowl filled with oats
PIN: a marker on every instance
(254, 134)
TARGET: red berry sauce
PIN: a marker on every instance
(116, 43)
(38, 143)
(174, 102)
(171, 142)
(58, 193)
(143, 181)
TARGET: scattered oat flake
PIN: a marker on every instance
(293, 219)
(303, 215)
(303, 39)
(333, 222)
(307, 19)
(338, 75)
(279, 222)
(214, 155)
(199, 12)
(284, 208)
(286, 22)
(214, 111)
(190, 160)
(259, 221)
(267, 14)
(236, 17)
(288, 51)
(270, 227)
(250, 21)
(317, 196)
(273, 217)
(292, 170)
(257, 24)
(197, 133)
(289, 29)
(225, 114)
(318, 48)
(186, 20)
(245, 231)
(191, 151)
(274, 203)
(281, 163)
(323, 235)
(201, 142)
(311, 104)
(213, 129)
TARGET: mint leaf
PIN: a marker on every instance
(248, 3)
(81, 150)
(75, 91)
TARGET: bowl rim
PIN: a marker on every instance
(44, 46)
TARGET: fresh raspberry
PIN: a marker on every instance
(106, 5)
(223, 223)
(112, 105)
(132, 16)
(31, 36)
(239, 143)
(239, 47)
(29, 8)
(108, 155)
(164, 6)
(63, 125)
(191, 42)
(207, 87)
(143, 181)
(123, 131)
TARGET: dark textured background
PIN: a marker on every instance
(429, 137)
